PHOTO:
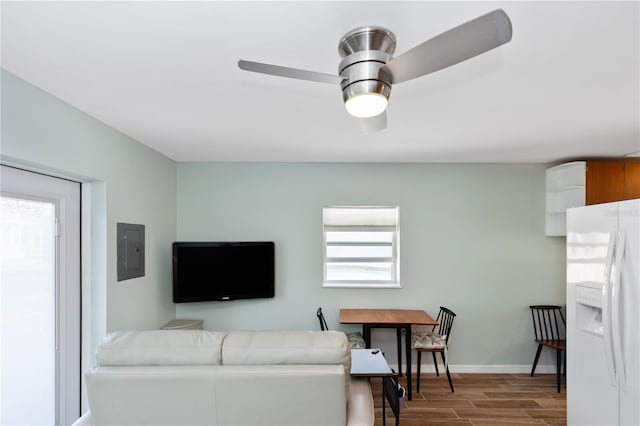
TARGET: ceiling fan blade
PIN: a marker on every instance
(451, 47)
(288, 72)
(374, 124)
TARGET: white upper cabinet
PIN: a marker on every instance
(565, 188)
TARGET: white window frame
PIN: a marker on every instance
(339, 218)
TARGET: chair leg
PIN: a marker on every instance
(535, 361)
(418, 371)
(435, 363)
(399, 344)
(558, 367)
(444, 360)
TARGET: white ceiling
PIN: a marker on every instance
(164, 73)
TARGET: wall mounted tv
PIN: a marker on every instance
(206, 271)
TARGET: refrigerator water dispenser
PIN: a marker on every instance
(589, 310)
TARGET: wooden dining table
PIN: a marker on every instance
(400, 319)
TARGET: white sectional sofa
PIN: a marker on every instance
(194, 377)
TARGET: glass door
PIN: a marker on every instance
(39, 299)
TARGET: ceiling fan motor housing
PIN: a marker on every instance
(365, 51)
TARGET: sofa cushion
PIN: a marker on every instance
(153, 395)
(286, 347)
(161, 347)
(428, 340)
(282, 395)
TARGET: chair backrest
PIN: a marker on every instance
(323, 323)
(445, 322)
(548, 322)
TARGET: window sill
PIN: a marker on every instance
(360, 285)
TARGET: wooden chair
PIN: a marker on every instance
(355, 339)
(434, 341)
(549, 327)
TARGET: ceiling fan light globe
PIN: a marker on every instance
(366, 105)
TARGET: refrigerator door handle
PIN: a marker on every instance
(606, 312)
(616, 314)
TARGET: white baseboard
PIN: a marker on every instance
(484, 369)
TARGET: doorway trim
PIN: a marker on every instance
(66, 195)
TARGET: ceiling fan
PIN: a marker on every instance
(368, 70)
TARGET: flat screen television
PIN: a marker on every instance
(213, 271)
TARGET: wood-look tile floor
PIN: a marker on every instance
(479, 399)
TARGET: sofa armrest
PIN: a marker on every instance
(360, 404)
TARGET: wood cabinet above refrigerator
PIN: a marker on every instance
(608, 181)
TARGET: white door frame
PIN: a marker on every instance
(66, 196)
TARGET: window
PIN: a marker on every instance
(361, 247)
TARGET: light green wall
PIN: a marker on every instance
(471, 235)
(127, 181)
(472, 239)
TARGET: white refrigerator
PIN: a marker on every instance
(603, 312)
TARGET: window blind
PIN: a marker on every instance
(361, 246)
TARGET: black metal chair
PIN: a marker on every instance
(355, 339)
(434, 341)
(549, 327)
(323, 322)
